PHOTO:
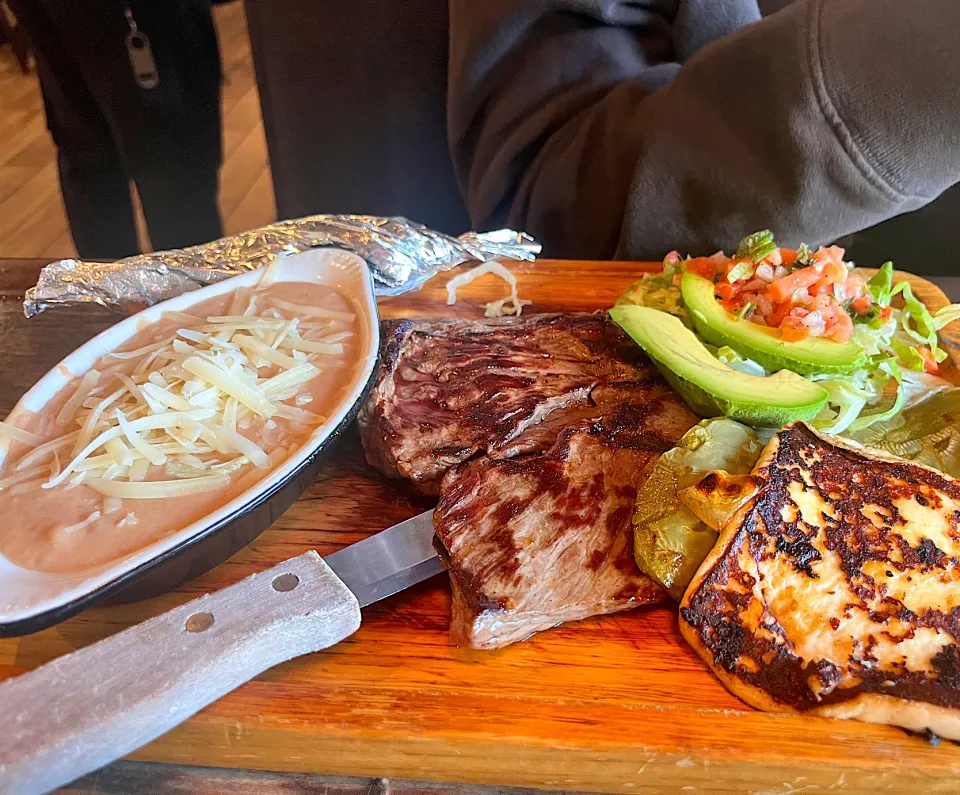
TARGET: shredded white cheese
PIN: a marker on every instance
(302, 311)
(269, 274)
(511, 305)
(73, 528)
(69, 410)
(181, 403)
(22, 476)
(19, 435)
(231, 384)
(158, 489)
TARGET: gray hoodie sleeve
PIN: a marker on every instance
(631, 127)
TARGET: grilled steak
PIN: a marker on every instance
(449, 390)
(836, 589)
(541, 539)
(544, 428)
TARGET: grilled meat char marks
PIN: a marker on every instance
(837, 585)
(538, 540)
(451, 389)
(545, 428)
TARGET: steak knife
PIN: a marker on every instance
(82, 711)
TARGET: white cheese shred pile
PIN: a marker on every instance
(179, 405)
(511, 305)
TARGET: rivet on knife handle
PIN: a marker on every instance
(82, 711)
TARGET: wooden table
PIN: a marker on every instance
(618, 703)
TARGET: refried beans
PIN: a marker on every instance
(71, 526)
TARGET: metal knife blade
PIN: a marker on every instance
(390, 561)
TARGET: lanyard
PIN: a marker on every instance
(141, 55)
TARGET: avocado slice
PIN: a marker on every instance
(764, 345)
(708, 386)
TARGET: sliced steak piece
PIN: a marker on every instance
(538, 540)
(451, 389)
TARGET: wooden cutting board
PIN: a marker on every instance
(618, 703)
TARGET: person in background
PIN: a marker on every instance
(132, 93)
(632, 127)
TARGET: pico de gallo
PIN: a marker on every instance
(804, 293)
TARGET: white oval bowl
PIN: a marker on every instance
(32, 600)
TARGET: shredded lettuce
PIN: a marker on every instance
(756, 246)
(848, 396)
(845, 402)
(742, 270)
(735, 361)
(946, 316)
(658, 291)
(890, 367)
(908, 356)
(919, 386)
(880, 285)
(922, 328)
(874, 337)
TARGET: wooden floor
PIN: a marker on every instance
(32, 220)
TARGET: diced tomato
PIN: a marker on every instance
(862, 305)
(798, 311)
(787, 257)
(703, 266)
(780, 311)
(731, 306)
(835, 272)
(841, 329)
(727, 291)
(783, 289)
(793, 330)
(829, 262)
(828, 254)
(886, 313)
(929, 362)
(820, 288)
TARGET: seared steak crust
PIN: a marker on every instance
(836, 590)
(451, 389)
(541, 539)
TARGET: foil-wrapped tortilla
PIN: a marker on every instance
(402, 255)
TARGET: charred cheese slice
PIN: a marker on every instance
(836, 589)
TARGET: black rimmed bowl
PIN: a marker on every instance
(31, 600)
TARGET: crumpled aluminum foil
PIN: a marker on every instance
(402, 255)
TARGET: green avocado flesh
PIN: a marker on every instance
(708, 386)
(764, 345)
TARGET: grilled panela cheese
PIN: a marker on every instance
(835, 590)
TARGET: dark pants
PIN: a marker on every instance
(108, 130)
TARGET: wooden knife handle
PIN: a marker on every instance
(82, 711)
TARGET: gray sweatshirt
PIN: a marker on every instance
(631, 127)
